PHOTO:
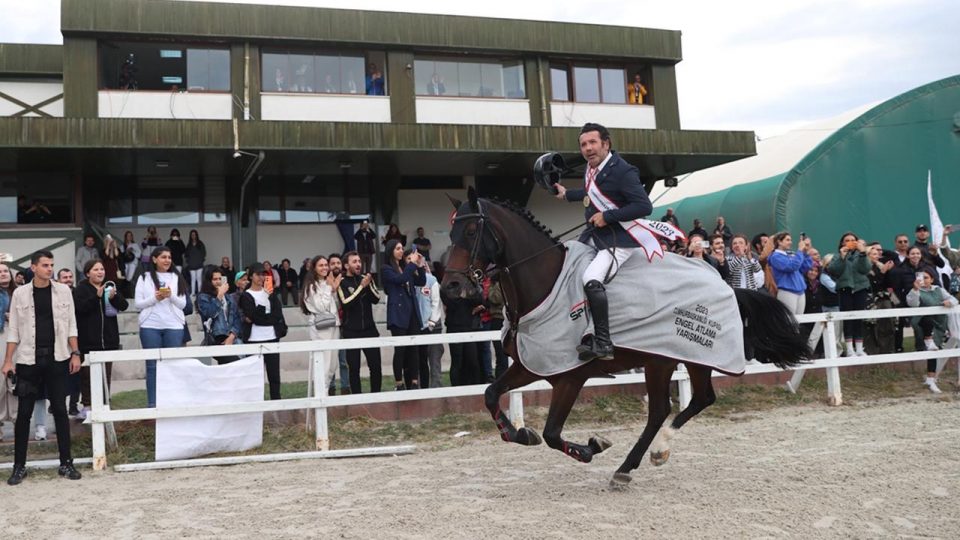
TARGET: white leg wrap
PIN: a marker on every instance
(661, 443)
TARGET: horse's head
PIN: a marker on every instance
(476, 243)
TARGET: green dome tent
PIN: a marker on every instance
(865, 171)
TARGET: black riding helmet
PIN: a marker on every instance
(548, 169)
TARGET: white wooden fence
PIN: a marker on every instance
(102, 414)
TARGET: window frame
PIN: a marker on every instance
(340, 54)
(194, 193)
(283, 196)
(479, 61)
(185, 46)
(570, 66)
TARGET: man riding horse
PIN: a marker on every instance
(612, 194)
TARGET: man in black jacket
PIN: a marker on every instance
(357, 295)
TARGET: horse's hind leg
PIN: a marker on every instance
(701, 382)
(658, 374)
(565, 392)
(515, 377)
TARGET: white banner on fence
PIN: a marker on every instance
(184, 383)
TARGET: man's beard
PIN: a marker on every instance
(335, 272)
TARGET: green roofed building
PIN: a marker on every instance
(863, 171)
(274, 130)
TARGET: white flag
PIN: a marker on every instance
(936, 226)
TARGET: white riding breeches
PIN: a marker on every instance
(606, 263)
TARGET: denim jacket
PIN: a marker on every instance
(212, 316)
(4, 307)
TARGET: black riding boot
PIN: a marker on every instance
(600, 345)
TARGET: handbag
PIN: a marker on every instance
(322, 321)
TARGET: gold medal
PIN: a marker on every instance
(586, 202)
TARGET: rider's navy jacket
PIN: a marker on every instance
(620, 182)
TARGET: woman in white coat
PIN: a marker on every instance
(318, 301)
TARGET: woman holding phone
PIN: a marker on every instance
(850, 268)
(161, 296)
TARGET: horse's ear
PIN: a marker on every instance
(472, 197)
(455, 202)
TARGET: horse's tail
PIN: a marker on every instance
(770, 331)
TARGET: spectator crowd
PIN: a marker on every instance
(857, 275)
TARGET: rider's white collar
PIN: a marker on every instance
(602, 164)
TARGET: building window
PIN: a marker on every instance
(324, 73)
(469, 78)
(560, 83)
(590, 84)
(165, 200)
(35, 198)
(312, 199)
(163, 66)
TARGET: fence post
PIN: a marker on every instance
(516, 409)
(683, 385)
(834, 395)
(320, 366)
(98, 406)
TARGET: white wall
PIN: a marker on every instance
(296, 242)
(447, 110)
(31, 93)
(165, 105)
(215, 237)
(324, 108)
(430, 209)
(570, 114)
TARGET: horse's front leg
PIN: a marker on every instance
(565, 392)
(514, 377)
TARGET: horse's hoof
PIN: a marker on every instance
(659, 458)
(528, 437)
(620, 481)
(599, 444)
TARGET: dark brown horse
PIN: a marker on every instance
(529, 261)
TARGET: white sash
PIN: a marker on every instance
(644, 231)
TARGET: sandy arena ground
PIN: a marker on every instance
(879, 471)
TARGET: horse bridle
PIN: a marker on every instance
(473, 273)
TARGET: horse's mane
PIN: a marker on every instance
(528, 216)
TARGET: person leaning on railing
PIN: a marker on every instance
(932, 327)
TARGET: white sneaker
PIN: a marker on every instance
(82, 414)
(41, 434)
(932, 384)
(930, 345)
(858, 350)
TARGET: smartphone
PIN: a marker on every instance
(705, 244)
(413, 249)
(920, 276)
(803, 236)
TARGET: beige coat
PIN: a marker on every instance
(22, 328)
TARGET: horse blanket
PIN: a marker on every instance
(673, 306)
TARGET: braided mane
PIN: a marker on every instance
(527, 216)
